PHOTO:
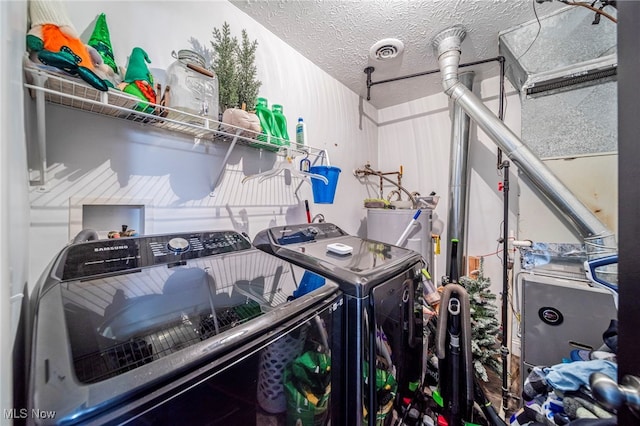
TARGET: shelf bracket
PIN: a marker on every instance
(41, 132)
(224, 162)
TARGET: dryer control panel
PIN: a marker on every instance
(79, 261)
(291, 234)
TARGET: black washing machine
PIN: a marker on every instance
(190, 328)
(379, 331)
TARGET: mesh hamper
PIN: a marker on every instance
(273, 360)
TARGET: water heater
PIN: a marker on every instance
(387, 225)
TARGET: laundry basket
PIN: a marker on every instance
(273, 360)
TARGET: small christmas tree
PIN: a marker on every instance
(484, 324)
(248, 85)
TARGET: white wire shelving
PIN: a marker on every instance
(49, 86)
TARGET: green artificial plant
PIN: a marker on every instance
(234, 64)
(248, 85)
(224, 66)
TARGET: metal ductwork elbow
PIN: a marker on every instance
(448, 48)
(447, 45)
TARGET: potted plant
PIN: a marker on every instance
(234, 64)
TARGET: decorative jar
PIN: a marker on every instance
(192, 87)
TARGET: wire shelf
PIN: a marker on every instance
(47, 85)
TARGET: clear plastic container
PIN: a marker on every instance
(193, 88)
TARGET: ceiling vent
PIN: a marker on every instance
(386, 49)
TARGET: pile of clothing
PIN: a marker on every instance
(560, 395)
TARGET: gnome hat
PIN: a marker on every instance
(101, 41)
(137, 67)
(53, 12)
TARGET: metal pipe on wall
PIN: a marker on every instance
(447, 45)
(458, 178)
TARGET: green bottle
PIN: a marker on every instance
(267, 122)
(281, 124)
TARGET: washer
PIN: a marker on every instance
(167, 329)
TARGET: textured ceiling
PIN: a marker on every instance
(337, 35)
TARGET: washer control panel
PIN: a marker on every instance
(108, 256)
(178, 245)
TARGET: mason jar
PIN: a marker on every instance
(192, 87)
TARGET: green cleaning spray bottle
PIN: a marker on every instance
(267, 121)
(281, 124)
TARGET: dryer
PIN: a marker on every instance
(382, 318)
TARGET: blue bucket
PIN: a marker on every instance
(324, 193)
(308, 283)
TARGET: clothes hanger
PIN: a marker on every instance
(287, 166)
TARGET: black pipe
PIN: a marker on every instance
(368, 71)
(404, 77)
(370, 83)
(500, 59)
(504, 351)
(501, 103)
(454, 273)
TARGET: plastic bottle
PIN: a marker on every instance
(429, 290)
(281, 123)
(301, 134)
(267, 122)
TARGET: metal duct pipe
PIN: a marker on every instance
(447, 45)
(458, 178)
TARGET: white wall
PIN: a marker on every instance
(14, 208)
(594, 181)
(98, 160)
(417, 135)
